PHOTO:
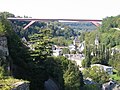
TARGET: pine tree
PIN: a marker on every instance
(42, 45)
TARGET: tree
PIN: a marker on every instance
(55, 70)
(87, 61)
(42, 45)
(94, 60)
(84, 63)
(6, 14)
(2, 31)
(65, 72)
(87, 57)
(118, 68)
(96, 74)
(73, 77)
(65, 51)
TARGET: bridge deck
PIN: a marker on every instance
(32, 20)
(37, 19)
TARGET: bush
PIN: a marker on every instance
(1, 72)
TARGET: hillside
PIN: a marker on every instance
(107, 51)
(81, 26)
(108, 33)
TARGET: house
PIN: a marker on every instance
(54, 47)
(107, 69)
(111, 85)
(89, 82)
(76, 41)
(115, 50)
(57, 52)
(81, 46)
(72, 47)
(24, 40)
(75, 57)
(31, 47)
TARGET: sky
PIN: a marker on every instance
(62, 9)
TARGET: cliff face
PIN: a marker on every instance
(4, 52)
(5, 62)
(3, 47)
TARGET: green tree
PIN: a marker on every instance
(65, 51)
(87, 57)
(6, 14)
(42, 44)
(96, 74)
(2, 31)
(73, 78)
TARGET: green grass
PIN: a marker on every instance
(115, 76)
(8, 83)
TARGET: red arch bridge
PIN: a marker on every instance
(32, 20)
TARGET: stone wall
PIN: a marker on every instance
(21, 86)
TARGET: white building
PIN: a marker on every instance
(24, 40)
(81, 46)
(107, 69)
(71, 47)
(31, 47)
(57, 52)
(111, 85)
(75, 57)
(76, 41)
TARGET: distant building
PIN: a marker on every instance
(89, 82)
(115, 50)
(107, 69)
(75, 57)
(81, 46)
(60, 47)
(111, 85)
(31, 47)
(57, 52)
(72, 47)
(54, 47)
(76, 41)
(62, 28)
(24, 40)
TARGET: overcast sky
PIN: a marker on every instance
(79, 9)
